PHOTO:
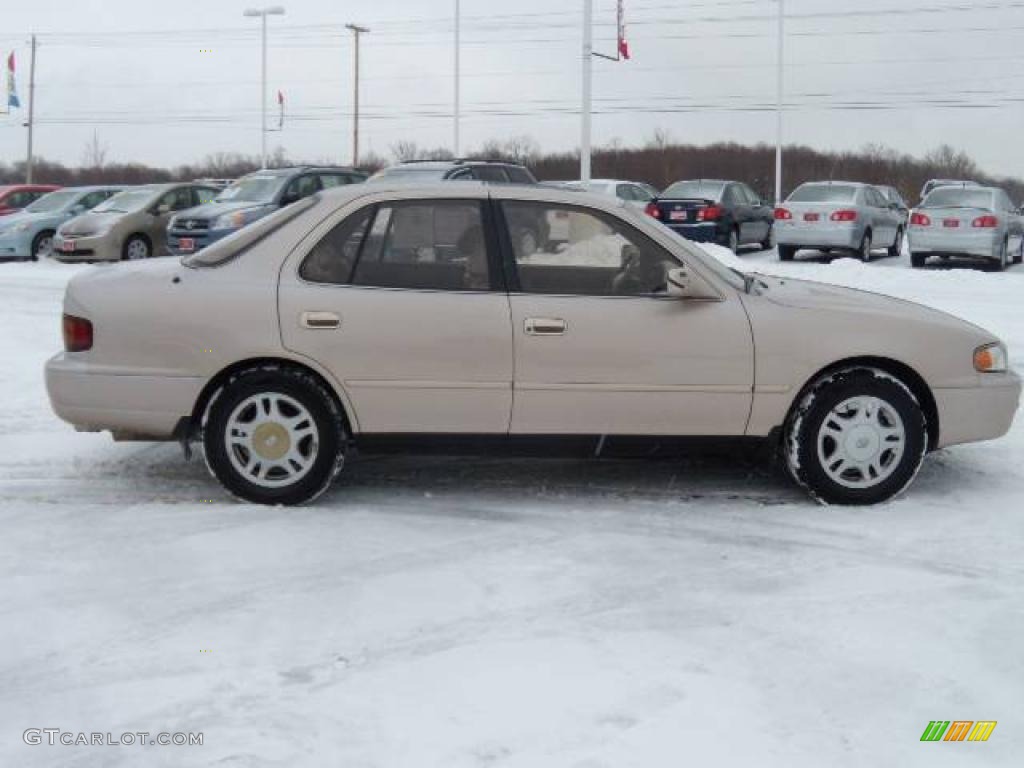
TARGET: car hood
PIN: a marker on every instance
(212, 210)
(808, 294)
(9, 221)
(91, 222)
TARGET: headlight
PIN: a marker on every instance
(991, 358)
(230, 220)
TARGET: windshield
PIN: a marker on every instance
(253, 189)
(958, 197)
(126, 202)
(823, 193)
(410, 174)
(702, 190)
(53, 201)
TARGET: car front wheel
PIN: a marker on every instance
(274, 435)
(136, 248)
(857, 437)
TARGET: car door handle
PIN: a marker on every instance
(319, 321)
(545, 326)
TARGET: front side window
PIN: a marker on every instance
(203, 195)
(519, 175)
(565, 250)
(304, 186)
(493, 173)
(177, 199)
(423, 245)
(93, 199)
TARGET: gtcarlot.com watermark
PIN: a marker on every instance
(56, 736)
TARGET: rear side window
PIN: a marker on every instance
(491, 173)
(424, 245)
(519, 175)
(328, 180)
(333, 258)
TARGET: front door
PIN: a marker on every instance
(400, 302)
(600, 348)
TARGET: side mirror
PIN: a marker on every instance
(681, 284)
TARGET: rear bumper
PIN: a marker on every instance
(827, 235)
(701, 233)
(979, 413)
(931, 241)
(139, 406)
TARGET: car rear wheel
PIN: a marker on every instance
(786, 252)
(734, 240)
(865, 247)
(1004, 256)
(766, 244)
(274, 435)
(135, 248)
(42, 245)
(857, 437)
(917, 260)
(1019, 258)
(897, 246)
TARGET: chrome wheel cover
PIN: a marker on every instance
(137, 249)
(45, 247)
(271, 440)
(861, 442)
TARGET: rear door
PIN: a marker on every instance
(884, 220)
(736, 201)
(762, 216)
(401, 301)
(601, 349)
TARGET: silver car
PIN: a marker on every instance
(633, 193)
(977, 222)
(838, 216)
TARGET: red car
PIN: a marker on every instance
(14, 197)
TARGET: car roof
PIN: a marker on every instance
(474, 190)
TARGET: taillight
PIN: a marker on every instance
(711, 213)
(844, 216)
(77, 334)
(782, 214)
(985, 222)
(920, 220)
(653, 210)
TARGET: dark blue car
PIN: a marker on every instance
(250, 198)
(728, 213)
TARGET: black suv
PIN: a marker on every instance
(711, 211)
(250, 198)
(456, 170)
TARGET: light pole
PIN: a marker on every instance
(356, 32)
(262, 13)
(588, 77)
(458, 16)
(778, 105)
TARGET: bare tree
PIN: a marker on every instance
(95, 153)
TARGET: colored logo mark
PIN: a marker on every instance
(958, 730)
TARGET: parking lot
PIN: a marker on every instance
(515, 612)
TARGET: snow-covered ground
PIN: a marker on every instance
(520, 613)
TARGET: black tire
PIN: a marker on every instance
(866, 244)
(814, 414)
(786, 252)
(917, 260)
(1019, 258)
(37, 242)
(766, 244)
(326, 451)
(1004, 257)
(136, 242)
(733, 240)
(897, 247)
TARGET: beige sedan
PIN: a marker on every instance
(377, 313)
(128, 226)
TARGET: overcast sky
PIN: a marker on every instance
(170, 82)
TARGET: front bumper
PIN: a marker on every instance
(701, 233)
(955, 242)
(141, 406)
(16, 245)
(818, 235)
(95, 248)
(985, 412)
(201, 238)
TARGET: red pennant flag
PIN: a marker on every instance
(280, 98)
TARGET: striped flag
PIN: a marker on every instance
(12, 91)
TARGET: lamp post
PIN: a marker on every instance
(356, 32)
(262, 13)
(778, 105)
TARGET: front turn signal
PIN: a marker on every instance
(990, 359)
